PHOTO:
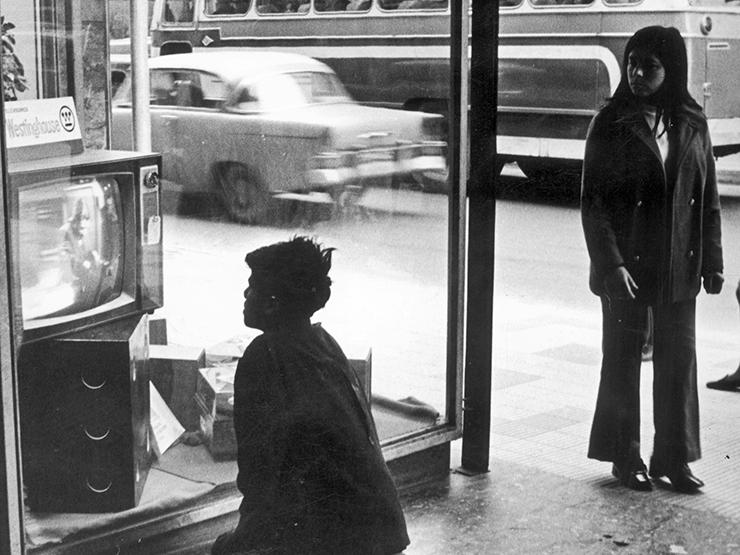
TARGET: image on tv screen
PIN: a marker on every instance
(70, 246)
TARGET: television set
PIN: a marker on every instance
(86, 240)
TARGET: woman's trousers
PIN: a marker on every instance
(615, 432)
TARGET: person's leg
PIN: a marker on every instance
(615, 432)
(675, 396)
(731, 382)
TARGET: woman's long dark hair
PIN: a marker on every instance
(666, 44)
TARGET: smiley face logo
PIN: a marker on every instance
(67, 118)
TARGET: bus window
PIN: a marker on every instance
(413, 4)
(561, 2)
(178, 11)
(282, 6)
(621, 2)
(509, 3)
(358, 5)
(324, 6)
(226, 7)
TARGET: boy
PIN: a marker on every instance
(310, 465)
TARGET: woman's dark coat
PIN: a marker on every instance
(663, 225)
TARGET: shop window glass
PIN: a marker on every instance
(352, 154)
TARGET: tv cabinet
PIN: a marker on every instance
(84, 403)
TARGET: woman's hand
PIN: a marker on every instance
(620, 285)
(713, 283)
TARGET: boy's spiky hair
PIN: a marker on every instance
(294, 271)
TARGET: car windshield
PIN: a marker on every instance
(290, 90)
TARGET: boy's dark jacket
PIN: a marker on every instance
(310, 465)
(662, 225)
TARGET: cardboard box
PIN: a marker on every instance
(157, 331)
(174, 372)
(214, 397)
(363, 367)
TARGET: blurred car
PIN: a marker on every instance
(249, 125)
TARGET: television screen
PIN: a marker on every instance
(72, 259)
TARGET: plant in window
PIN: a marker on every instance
(14, 80)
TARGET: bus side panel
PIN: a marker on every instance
(722, 46)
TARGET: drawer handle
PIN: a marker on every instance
(97, 490)
(97, 438)
(91, 386)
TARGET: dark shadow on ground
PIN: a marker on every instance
(558, 191)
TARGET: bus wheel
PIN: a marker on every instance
(175, 48)
(243, 194)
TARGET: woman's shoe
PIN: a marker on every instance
(635, 478)
(681, 477)
(731, 382)
(684, 481)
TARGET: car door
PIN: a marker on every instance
(282, 139)
(193, 126)
(164, 118)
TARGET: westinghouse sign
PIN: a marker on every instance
(41, 122)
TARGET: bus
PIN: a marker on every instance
(558, 59)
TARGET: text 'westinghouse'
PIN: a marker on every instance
(36, 128)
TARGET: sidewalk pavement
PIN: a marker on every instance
(520, 510)
(542, 494)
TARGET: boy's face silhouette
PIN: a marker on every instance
(260, 310)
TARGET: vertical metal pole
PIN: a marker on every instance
(481, 220)
(140, 76)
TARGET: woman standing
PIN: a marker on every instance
(651, 217)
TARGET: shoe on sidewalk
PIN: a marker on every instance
(731, 382)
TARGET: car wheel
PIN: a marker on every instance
(243, 194)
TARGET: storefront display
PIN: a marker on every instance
(125, 298)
